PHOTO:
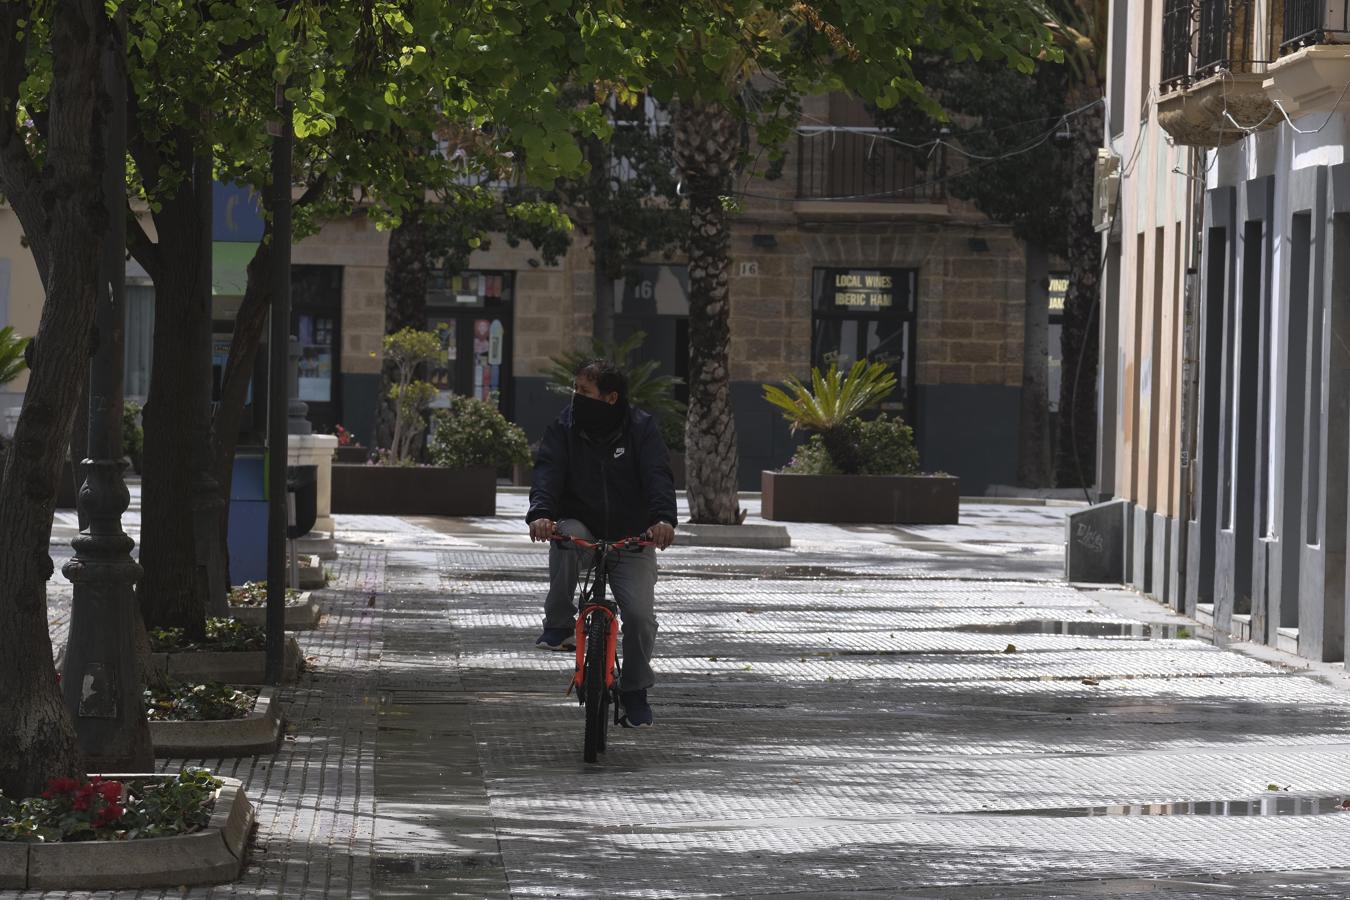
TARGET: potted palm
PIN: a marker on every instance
(648, 389)
(851, 469)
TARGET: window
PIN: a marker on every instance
(471, 311)
(867, 314)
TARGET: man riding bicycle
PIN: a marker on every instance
(603, 472)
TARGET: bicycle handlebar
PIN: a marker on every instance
(636, 541)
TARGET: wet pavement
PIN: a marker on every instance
(876, 712)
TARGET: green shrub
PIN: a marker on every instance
(254, 593)
(831, 403)
(883, 446)
(183, 702)
(475, 433)
(221, 634)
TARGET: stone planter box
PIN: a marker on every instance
(258, 732)
(351, 455)
(227, 666)
(414, 490)
(213, 855)
(301, 615)
(880, 499)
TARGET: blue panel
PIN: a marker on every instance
(248, 541)
(247, 535)
(236, 214)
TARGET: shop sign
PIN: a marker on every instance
(854, 289)
(1059, 289)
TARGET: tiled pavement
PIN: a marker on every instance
(838, 720)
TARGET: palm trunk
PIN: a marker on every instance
(1077, 452)
(707, 140)
(405, 306)
(598, 157)
(174, 591)
(38, 741)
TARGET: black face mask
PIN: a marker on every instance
(596, 417)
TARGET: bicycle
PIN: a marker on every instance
(596, 677)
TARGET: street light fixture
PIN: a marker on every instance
(100, 683)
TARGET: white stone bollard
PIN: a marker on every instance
(316, 450)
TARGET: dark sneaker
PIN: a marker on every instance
(557, 639)
(637, 712)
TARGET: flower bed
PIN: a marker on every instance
(233, 652)
(179, 701)
(129, 831)
(248, 603)
(95, 809)
(223, 634)
(212, 720)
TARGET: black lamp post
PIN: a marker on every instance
(99, 683)
(278, 384)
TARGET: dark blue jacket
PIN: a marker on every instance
(617, 488)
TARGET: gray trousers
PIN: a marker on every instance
(631, 580)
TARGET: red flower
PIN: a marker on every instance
(59, 786)
(82, 803)
(110, 791)
(108, 815)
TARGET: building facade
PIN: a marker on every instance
(1248, 109)
(856, 251)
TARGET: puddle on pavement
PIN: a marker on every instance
(1136, 630)
(1273, 805)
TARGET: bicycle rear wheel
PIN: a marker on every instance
(597, 695)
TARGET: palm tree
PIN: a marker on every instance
(1079, 28)
(705, 58)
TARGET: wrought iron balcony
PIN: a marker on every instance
(1211, 91)
(1177, 35)
(1226, 38)
(1314, 22)
(863, 166)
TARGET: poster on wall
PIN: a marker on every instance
(316, 358)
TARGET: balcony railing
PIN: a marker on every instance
(1226, 38)
(863, 165)
(1204, 37)
(1176, 44)
(1314, 22)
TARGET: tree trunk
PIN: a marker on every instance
(405, 305)
(173, 592)
(1033, 431)
(37, 741)
(249, 326)
(707, 141)
(1077, 451)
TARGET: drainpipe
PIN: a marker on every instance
(1190, 378)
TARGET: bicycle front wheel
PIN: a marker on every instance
(597, 695)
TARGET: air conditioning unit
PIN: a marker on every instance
(1105, 189)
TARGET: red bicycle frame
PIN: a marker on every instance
(602, 549)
